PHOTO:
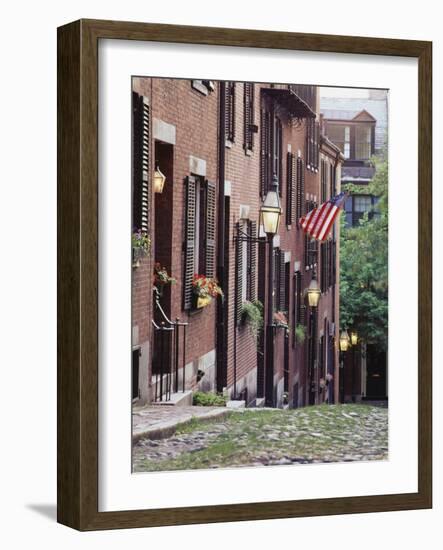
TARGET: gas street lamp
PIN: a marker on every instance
(270, 214)
(344, 345)
(314, 293)
(270, 211)
(158, 180)
(354, 338)
(344, 340)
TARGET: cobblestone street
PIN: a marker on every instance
(265, 437)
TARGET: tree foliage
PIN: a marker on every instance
(364, 265)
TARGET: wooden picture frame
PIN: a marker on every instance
(78, 274)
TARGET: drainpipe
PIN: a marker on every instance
(221, 375)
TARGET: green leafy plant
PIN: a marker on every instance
(208, 399)
(161, 276)
(252, 316)
(300, 333)
(141, 241)
(364, 264)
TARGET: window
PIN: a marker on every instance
(203, 86)
(312, 144)
(280, 284)
(265, 151)
(341, 136)
(277, 138)
(246, 265)
(363, 142)
(271, 145)
(324, 180)
(199, 233)
(230, 111)
(244, 244)
(298, 306)
(300, 190)
(291, 189)
(357, 205)
(249, 127)
(327, 264)
(311, 245)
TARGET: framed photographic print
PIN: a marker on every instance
(244, 280)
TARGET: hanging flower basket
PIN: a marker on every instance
(141, 246)
(203, 301)
(161, 278)
(204, 289)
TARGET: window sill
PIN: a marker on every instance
(199, 87)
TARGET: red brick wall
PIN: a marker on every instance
(195, 118)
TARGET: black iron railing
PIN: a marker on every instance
(166, 353)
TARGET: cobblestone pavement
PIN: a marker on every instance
(254, 437)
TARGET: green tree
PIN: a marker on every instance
(364, 265)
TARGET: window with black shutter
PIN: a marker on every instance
(239, 276)
(265, 152)
(300, 210)
(246, 265)
(324, 180)
(332, 191)
(249, 116)
(282, 290)
(298, 298)
(312, 144)
(308, 143)
(190, 238)
(277, 145)
(209, 244)
(140, 162)
(230, 111)
(291, 199)
(251, 292)
(199, 233)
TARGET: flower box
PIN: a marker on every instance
(203, 301)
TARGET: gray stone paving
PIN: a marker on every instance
(340, 433)
(158, 421)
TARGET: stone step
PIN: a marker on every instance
(179, 399)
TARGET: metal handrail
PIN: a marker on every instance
(174, 326)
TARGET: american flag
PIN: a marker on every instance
(318, 222)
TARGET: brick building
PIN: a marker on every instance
(220, 146)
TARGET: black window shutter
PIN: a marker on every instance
(210, 230)
(282, 282)
(190, 226)
(297, 292)
(301, 203)
(140, 162)
(252, 262)
(289, 189)
(280, 155)
(265, 151)
(238, 276)
(230, 111)
(248, 115)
